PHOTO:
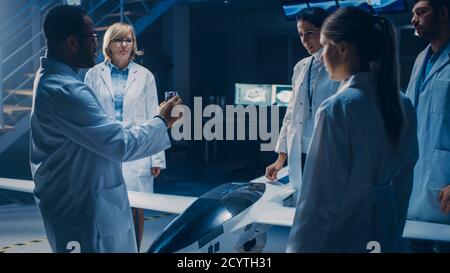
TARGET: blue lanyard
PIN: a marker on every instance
(310, 92)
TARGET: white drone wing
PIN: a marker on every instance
(151, 201)
(271, 213)
(17, 185)
(283, 216)
(160, 202)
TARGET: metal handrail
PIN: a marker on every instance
(21, 47)
(20, 27)
(122, 6)
(15, 35)
(99, 3)
(18, 50)
(23, 64)
(29, 79)
(162, 6)
(13, 19)
(105, 16)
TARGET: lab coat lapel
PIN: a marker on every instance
(301, 79)
(304, 72)
(443, 60)
(106, 77)
(132, 77)
(416, 76)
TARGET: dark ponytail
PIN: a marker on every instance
(388, 82)
(375, 40)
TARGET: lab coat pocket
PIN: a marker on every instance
(144, 167)
(140, 107)
(440, 170)
(113, 214)
(441, 97)
(140, 167)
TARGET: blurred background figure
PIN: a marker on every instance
(127, 93)
(429, 89)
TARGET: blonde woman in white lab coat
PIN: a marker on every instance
(127, 92)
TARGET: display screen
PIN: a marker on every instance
(291, 10)
(293, 7)
(262, 94)
(283, 94)
(388, 6)
(327, 5)
(362, 4)
(253, 94)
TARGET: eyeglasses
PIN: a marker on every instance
(119, 41)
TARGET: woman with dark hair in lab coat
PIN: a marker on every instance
(359, 169)
(311, 85)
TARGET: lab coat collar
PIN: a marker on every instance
(442, 60)
(111, 66)
(106, 77)
(49, 61)
(132, 75)
(358, 78)
(316, 55)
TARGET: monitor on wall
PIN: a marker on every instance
(292, 8)
(283, 94)
(253, 94)
(262, 94)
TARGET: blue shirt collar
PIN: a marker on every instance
(53, 57)
(114, 67)
(432, 57)
(316, 55)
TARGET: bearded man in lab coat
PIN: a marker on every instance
(76, 149)
(311, 85)
(429, 90)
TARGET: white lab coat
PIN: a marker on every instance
(432, 171)
(140, 103)
(355, 188)
(75, 155)
(290, 138)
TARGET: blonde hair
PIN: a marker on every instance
(119, 30)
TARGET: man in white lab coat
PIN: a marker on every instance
(311, 85)
(76, 149)
(429, 89)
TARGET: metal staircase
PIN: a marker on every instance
(24, 44)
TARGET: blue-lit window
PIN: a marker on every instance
(293, 7)
(291, 11)
(325, 4)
